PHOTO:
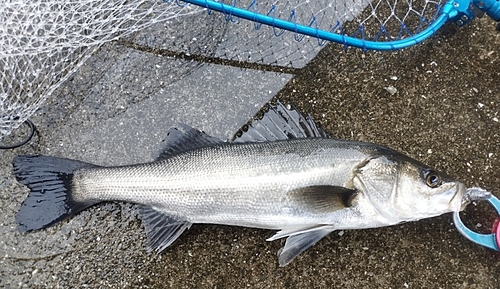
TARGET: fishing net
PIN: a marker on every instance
(43, 41)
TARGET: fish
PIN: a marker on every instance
(281, 172)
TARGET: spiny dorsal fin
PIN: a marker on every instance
(184, 138)
(280, 123)
(161, 230)
(323, 198)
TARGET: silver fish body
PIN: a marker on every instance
(264, 185)
(305, 187)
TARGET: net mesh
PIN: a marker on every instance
(43, 41)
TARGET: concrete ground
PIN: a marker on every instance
(438, 102)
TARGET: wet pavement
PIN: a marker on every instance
(438, 102)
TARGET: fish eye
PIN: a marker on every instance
(432, 179)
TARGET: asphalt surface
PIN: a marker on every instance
(438, 102)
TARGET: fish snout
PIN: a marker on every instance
(458, 201)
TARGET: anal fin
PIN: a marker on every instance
(161, 230)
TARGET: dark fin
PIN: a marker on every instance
(184, 138)
(50, 182)
(161, 230)
(280, 123)
(296, 244)
(323, 199)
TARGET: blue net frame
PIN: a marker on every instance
(458, 11)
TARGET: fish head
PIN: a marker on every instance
(423, 192)
(402, 189)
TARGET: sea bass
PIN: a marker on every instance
(282, 172)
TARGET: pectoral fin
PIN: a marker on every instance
(296, 244)
(323, 198)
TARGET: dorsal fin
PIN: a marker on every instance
(280, 123)
(184, 138)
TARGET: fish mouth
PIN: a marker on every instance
(458, 201)
(474, 194)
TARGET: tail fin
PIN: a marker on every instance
(50, 181)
